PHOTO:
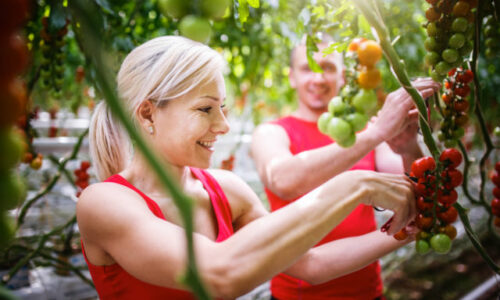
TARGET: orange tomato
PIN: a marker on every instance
(369, 78)
(432, 14)
(369, 53)
(461, 9)
(354, 45)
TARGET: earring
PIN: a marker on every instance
(150, 129)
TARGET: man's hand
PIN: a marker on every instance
(406, 140)
(399, 115)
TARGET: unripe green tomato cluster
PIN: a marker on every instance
(53, 58)
(346, 116)
(450, 29)
(491, 31)
(193, 25)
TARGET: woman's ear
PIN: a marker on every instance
(145, 113)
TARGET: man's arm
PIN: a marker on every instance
(290, 176)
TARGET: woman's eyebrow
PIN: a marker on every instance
(212, 98)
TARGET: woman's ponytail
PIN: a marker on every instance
(109, 144)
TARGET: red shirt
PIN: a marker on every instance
(363, 284)
(113, 282)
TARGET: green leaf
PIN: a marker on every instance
(105, 6)
(364, 25)
(311, 48)
(254, 3)
(242, 10)
(305, 16)
(58, 16)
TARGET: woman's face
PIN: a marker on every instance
(187, 127)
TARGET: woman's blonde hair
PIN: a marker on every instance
(161, 69)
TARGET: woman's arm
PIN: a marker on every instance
(124, 227)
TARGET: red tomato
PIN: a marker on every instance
(496, 192)
(497, 167)
(424, 204)
(462, 91)
(447, 98)
(401, 235)
(84, 165)
(451, 158)
(448, 216)
(465, 77)
(461, 106)
(422, 165)
(423, 222)
(452, 72)
(447, 197)
(495, 207)
(495, 178)
(452, 178)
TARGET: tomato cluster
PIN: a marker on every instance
(491, 31)
(192, 25)
(495, 203)
(456, 106)
(52, 63)
(450, 30)
(435, 195)
(82, 177)
(349, 112)
(14, 59)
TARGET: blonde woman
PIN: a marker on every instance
(131, 231)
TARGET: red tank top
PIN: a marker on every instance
(113, 282)
(363, 284)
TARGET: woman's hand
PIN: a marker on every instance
(390, 191)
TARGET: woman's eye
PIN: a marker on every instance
(205, 109)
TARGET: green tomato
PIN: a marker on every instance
(11, 150)
(450, 143)
(339, 130)
(459, 133)
(348, 142)
(357, 120)
(450, 55)
(337, 106)
(214, 9)
(489, 20)
(496, 131)
(196, 28)
(489, 31)
(442, 68)
(431, 58)
(323, 121)
(456, 41)
(441, 243)
(422, 246)
(433, 29)
(459, 25)
(12, 190)
(430, 44)
(491, 42)
(175, 9)
(7, 229)
(467, 48)
(365, 101)
(437, 77)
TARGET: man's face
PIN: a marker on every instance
(316, 89)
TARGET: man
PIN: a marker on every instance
(293, 158)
